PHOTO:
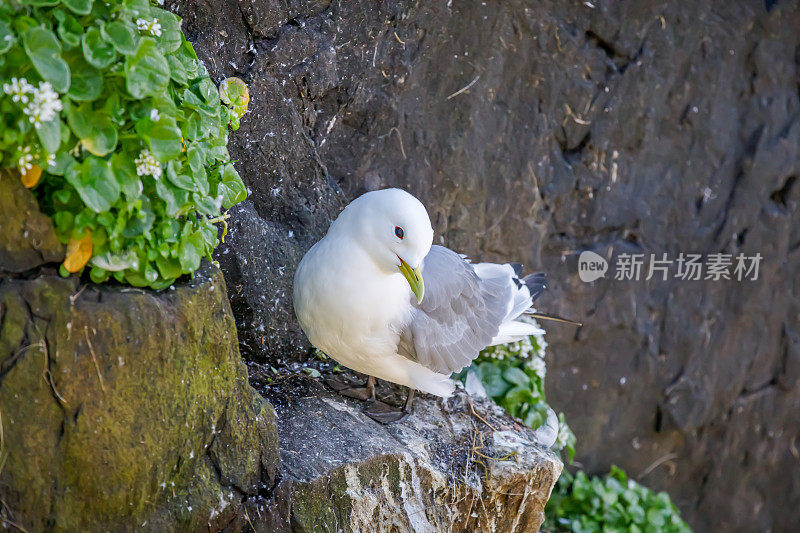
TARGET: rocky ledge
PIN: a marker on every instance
(126, 409)
(459, 464)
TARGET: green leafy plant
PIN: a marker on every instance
(615, 503)
(108, 114)
(513, 375)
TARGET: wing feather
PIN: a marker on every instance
(459, 316)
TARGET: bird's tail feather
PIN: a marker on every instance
(513, 331)
(427, 380)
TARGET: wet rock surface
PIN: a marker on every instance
(533, 131)
(125, 409)
(451, 465)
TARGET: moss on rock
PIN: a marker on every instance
(28, 238)
(125, 407)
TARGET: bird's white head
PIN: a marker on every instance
(393, 228)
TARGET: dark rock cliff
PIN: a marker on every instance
(533, 131)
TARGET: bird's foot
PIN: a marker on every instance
(345, 389)
(359, 393)
(385, 413)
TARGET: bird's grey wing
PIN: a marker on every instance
(458, 317)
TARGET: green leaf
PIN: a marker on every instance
(44, 50)
(94, 128)
(177, 71)
(69, 31)
(205, 205)
(166, 194)
(516, 376)
(170, 38)
(169, 267)
(147, 71)
(492, 379)
(179, 180)
(190, 254)
(655, 517)
(209, 92)
(97, 51)
(193, 101)
(95, 183)
(609, 497)
(232, 193)
(50, 135)
(64, 222)
(196, 153)
(116, 262)
(187, 56)
(519, 395)
(87, 81)
(163, 137)
(124, 170)
(122, 36)
(234, 92)
(81, 7)
(98, 275)
(7, 38)
(63, 160)
(618, 474)
(534, 419)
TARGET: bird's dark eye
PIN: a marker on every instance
(399, 232)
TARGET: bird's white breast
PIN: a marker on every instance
(349, 308)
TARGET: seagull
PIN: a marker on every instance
(377, 296)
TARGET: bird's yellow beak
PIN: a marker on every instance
(414, 278)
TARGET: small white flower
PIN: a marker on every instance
(152, 26)
(562, 437)
(538, 365)
(44, 106)
(18, 89)
(51, 160)
(25, 161)
(154, 115)
(146, 165)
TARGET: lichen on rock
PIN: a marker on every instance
(438, 470)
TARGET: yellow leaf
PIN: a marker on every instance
(31, 176)
(79, 251)
(234, 92)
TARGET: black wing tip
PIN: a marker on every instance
(536, 283)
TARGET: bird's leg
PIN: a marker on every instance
(409, 399)
(361, 393)
(386, 414)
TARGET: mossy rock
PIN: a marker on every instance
(124, 408)
(27, 236)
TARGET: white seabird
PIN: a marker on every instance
(377, 297)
